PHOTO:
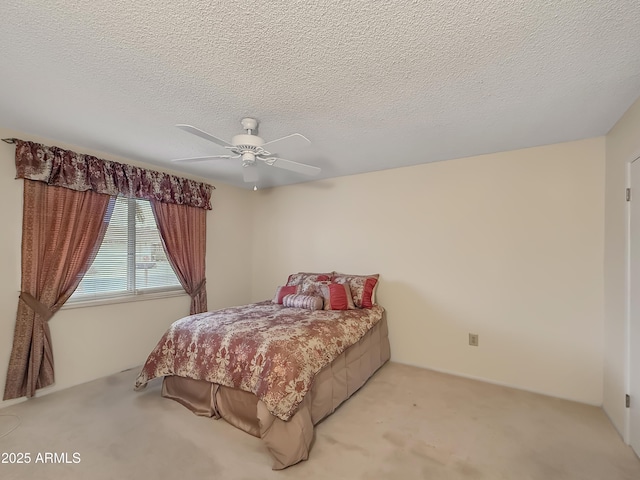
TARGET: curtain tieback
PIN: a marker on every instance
(37, 306)
(196, 291)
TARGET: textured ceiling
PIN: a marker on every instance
(373, 84)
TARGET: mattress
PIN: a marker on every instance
(289, 441)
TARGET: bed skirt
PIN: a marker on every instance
(288, 442)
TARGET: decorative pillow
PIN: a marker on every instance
(337, 296)
(282, 292)
(310, 302)
(363, 288)
(311, 286)
(298, 278)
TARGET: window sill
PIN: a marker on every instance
(140, 297)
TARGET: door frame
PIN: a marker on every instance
(627, 377)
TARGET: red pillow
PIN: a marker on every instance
(282, 292)
(337, 296)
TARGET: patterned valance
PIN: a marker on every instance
(76, 171)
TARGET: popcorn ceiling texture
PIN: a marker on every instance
(373, 84)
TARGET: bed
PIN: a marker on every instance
(276, 368)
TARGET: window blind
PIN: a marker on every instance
(131, 260)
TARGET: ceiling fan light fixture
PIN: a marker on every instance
(248, 159)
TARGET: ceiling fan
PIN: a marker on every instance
(249, 147)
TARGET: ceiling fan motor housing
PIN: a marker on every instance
(248, 146)
(242, 140)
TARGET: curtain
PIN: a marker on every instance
(77, 171)
(62, 230)
(183, 233)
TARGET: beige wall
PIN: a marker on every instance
(92, 342)
(623, 146)
(509, 246)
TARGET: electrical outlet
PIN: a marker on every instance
(473, 339)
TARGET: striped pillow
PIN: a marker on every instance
(310, 302)
(282, 292)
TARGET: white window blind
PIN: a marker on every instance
(131, 260)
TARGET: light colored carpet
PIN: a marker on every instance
(405, 423)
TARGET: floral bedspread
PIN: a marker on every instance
(263, 348)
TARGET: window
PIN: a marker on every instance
(131, 260)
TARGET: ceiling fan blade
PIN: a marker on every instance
(203, 134)
(201, 159)
(291, 165)
(250, 174)
(293, 141)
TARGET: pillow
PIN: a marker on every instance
(310, 302)
(363, 288)
(298, 278)
(282, 292)
(311, 286)
(337, 296)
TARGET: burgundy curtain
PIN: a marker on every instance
(62, 230)
(77, 171)
(183, 231)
